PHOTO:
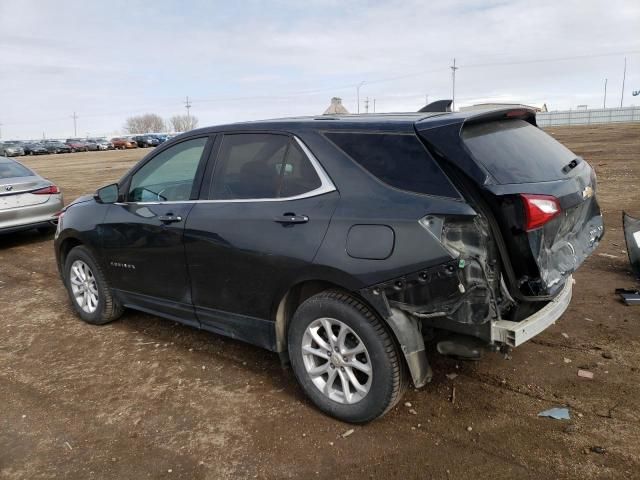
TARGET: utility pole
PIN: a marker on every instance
(453, 85)
(75, 124)
(187, 105)
(624, 76)
(358, 95)
(426, 99)
(374, 105)
(366, 105)
(604, 103)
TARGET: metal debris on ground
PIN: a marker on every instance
(585, 374)
(557, 413)
(629, 296)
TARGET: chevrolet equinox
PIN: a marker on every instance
(343, 243)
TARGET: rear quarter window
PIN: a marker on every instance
(399, 160)
(514, 151)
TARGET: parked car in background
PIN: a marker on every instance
(91, 145)
(34, 148)
(161, 138)
(11, 149)
(26, 199)
(102, 143)
(122, 143)
(56, 146)
(145, 141)
(77, 145)
(342, 242)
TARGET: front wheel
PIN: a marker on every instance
(88, 289)
(345, 358)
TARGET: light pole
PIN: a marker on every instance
(604, 103)
(75, 125)
(358, 95)
(453, 85)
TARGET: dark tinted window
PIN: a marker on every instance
(398, 160)
(12, 169)
(514, 151)
(258, 166)
(298, 175)
(168, 176)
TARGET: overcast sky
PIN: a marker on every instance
(244, 60)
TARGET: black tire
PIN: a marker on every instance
(389, 374)
(108, 308)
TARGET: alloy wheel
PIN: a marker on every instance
(84, 286)
(336, 360)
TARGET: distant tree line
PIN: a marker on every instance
(151, 122)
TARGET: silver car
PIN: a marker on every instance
(26, 199)
(11, 149)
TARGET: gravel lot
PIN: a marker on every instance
(148, 398)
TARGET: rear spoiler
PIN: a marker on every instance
(527, 114)
(477, 116)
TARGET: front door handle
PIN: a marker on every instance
(169, 218)
(288, 218)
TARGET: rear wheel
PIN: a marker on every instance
(88, 288)
(345, 358)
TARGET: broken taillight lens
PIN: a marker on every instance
(539, 209)
(50, 190)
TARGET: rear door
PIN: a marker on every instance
(268, 207)
(542, 194)
(142, 237)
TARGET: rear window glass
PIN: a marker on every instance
(396, 159)
(514, 151)
(11, 169)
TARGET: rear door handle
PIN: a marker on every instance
(169, 218)
(291, 218)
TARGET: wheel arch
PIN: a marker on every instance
(405, 331)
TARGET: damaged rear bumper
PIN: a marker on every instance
(504, 332)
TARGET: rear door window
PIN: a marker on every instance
(514, 151)
(261, 166)
(399, 160)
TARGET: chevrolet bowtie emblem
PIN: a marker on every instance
(587, 192)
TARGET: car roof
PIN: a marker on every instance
(401, 122)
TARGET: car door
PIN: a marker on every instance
(268, 207)
(143, 235)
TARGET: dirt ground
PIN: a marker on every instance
(148, 398)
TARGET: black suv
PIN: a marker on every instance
(343, 242)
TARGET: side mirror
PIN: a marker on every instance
(108, 194)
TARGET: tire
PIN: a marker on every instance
(107, 308)
(387, 380)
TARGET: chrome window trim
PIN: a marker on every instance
(326, 186)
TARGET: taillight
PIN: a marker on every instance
(539, 209)
(50, 190)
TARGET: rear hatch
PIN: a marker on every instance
(541, 195)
